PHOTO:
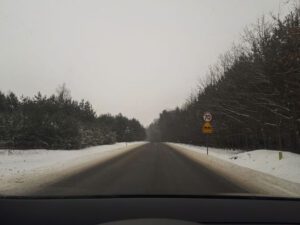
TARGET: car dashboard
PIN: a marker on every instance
(119, 210)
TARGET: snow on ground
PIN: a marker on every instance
(20, 166)
(266, 161)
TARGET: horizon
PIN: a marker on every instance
(130, 57)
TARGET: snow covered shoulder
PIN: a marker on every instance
(261, 171)
(24, 171)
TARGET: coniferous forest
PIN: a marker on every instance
(59, 122)
(253, 93)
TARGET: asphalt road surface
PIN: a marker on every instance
(151, 169)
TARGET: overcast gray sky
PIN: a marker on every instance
(136, 57)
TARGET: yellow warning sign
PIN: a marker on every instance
(207, 128)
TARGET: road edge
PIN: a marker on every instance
(251, 180)
(38, 181)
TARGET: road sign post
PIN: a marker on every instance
(207, 127)
(206, 140)
(126, 135)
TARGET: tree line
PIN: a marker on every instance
(59, 122)
(253, 92)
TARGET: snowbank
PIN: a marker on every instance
(19, 168)
(266, 161)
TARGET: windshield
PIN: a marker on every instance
(129, 97)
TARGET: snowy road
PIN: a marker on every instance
(148, 169)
